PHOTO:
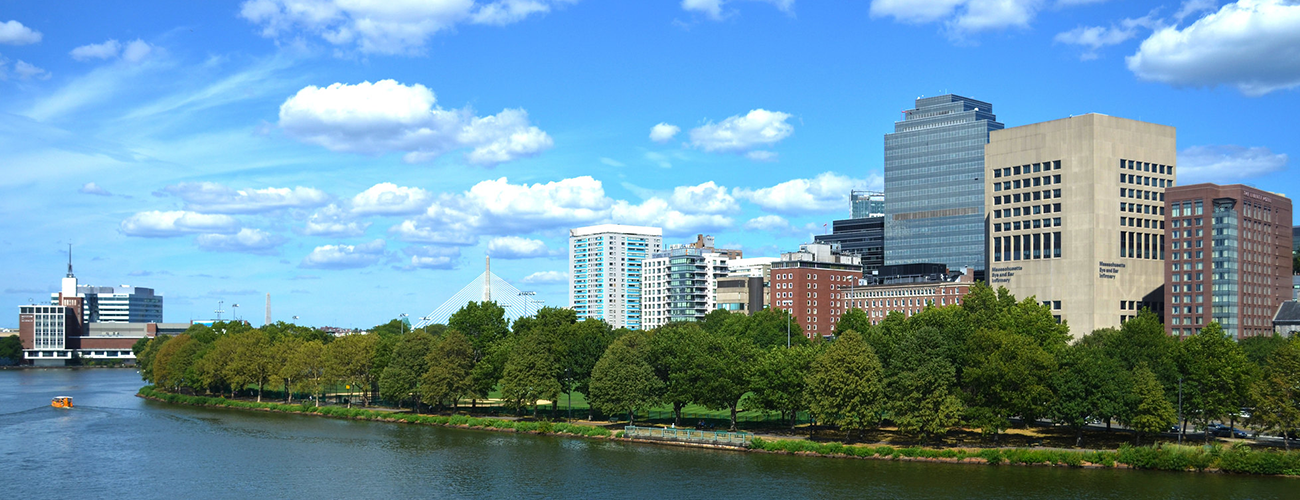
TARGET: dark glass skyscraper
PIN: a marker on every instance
(934, 185)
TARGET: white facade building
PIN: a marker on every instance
(682, 284)
(606, 267)
(115, 304)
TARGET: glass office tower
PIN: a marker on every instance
(934, 169)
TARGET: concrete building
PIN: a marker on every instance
(908, 294)
(1229, 259)
(1076, 216)
(865, 204)
(705, 242)
(681, 284)
(1286, 321)
(806, 283)
(605, 264)
(934, 182)
(862, 236)
(752, 267)
(747, 287)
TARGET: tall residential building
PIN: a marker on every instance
(806, 283)
(1229, 259)
(605, 265)
(681, 284)
(934, 182)
(866, 204)
(863, 236)
(1076, 216)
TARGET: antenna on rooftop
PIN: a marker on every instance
(70, 260)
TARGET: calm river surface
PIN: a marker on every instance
(114, 445)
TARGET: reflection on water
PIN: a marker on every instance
(113, 444)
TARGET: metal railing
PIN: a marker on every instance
(721, 438)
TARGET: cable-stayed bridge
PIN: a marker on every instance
(486, 287)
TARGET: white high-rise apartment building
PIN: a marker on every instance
(682, 284)
(606, 267)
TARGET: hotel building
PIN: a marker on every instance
(1229, 258)
(606, 267)
(1076, 216)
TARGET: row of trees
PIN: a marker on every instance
(985, 363)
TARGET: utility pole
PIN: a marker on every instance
(1182, 427)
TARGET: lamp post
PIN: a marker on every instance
(236, 311)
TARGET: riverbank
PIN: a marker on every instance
(1236, 459)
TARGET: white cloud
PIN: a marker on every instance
(14, 33)
(611, 162)
(382, 26)
(159, 224)
(344, 256)
(332, 221)
(742, 134)
(211, 197)
(656, 212)
(426, 257)
(713, 9)
(515, 247)
(1227, 163)
(546, 278)
(92, 188)
(663, 132)
(388, 116)
(1249, 44)
(26, 71)
(962, 17)
(774, 223)
(1193, 7)
(427, 230)
(254, 241)
(1094, 38)
(387, 198)
(707, 198)
(828, 192)
(106, 50)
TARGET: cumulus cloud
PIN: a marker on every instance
(707, 198)
(382, 26)
(657, 212)
(106, 50)
(1249, 44)
(388, 116)
(254, 241)
(780, 226)
(743, 134)
(344, 256)
(27, 71)
(92, 188)
(546, 278)
(210, 197)
(1093, 38)
(1227, 163)
(515, 247)
(611, 162)
(159, 224)
(426, 257)
(14, 33)
(332, 221)
(713, 9)
(387, 198)
(828, 192)
(663, 132)
(499, 207)
(964, 17)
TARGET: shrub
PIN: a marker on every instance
(991, 455)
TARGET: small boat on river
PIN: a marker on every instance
(62, 402)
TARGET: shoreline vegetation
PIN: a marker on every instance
(1238, 459)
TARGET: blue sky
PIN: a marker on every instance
(357, 159)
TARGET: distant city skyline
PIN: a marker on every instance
(358, 164)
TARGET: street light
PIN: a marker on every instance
(236, 311)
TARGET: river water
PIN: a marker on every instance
(114, 445)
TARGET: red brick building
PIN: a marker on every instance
(908, 298)
(807, 283)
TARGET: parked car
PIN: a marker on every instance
(1220, 430)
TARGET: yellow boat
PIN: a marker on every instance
(62, 402)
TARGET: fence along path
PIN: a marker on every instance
(721, 438)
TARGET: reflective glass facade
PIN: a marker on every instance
(934, 179)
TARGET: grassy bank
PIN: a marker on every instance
(384, 416)
(1239, 459)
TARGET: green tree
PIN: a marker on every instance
(845, 385)
(675, 353)
(173, 361)
(1258, 348)
(289, 367)
(623, 381)
(727, 362)
(770, 327)
(587, 344)
(530, 373)
(1089, 385)
(400, 380)
(349, 360)
(483, 322)
(1007, 375)
(145, 355)
(1215, 375)
(310, 360)
(253, 362)
(11, 350)
(213, 367)
(451, 362)
(1151, 412)
(922, 384)
(1276, 393)
(780, 380)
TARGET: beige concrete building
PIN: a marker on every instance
(1076, 216)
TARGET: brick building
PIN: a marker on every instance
(807, 284)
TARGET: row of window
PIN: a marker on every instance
(1142, 223)
(1045, 180)
(1146, 167)
(1028, 169)
(1134, 245)
(1029, 224)
(1045, 194)
(1027, 247)
(1142, 180)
